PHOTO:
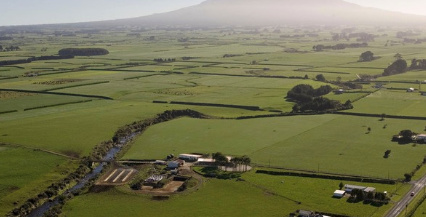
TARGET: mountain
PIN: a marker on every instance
(274, 12)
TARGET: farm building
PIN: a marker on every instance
(410, 89)
(349, 188)
(190, 157)
(423, 93)
(339, 193)
(205, 162)
(175, 164)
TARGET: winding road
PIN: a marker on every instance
(401, 205)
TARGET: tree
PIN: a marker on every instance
(306, 77)
(341, 185)
(320, 77)
(383, 115)
(387, 153)
(407, 135)
(220, 159)
(398, 56)
(366, 56)
(246, 161)
(408, 177)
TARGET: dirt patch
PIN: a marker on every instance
(13, 95)
(72, 154)
(172, 186)
(99, 188)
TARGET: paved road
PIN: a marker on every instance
(401, 205)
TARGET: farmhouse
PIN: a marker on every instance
(410, 89)
(349, 188)
(339, 91)
(339, 193)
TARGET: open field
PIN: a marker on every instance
(261, 195)
(330, 143)
(26, 173)
(221, 66)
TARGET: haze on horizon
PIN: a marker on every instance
(28, 12)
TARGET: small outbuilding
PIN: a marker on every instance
(339, 193)
(410, 89)
(190, 157)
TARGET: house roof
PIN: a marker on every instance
(355, 187)
(370, 189)
(339, 192)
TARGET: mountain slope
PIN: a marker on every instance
(275, 12)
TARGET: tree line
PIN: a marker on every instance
(31, 59)
(164, 60)
(340, 46)
(9, 48)
(83, 52)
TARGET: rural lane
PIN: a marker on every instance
(401, 205)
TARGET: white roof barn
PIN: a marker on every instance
(339, 193)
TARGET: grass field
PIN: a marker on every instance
(26, 173)
(331, 143)
(259, 195)
(224, 60)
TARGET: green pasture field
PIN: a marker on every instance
(421, 210)
(38, 100)
(392, 102)
(258, 195)
(330, 143)
(25, 173)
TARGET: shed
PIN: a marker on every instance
(339, 193)
(173, 164)
(205, 161)
(410, 89)
(369, 189)
(189, 157)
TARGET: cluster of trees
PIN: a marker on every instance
(366, 56)
(361, 36)
(165, 60)
(409, 33)
(306, 93)
(222, 160)
(321, 47)
(243, 160)
(377, 197)
(397, 67)
(83, 52)
(310, 99)
(418, 64)
(10, 48)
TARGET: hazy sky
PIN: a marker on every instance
(21, 12)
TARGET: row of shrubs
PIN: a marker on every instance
(31, 59)
(59, 104)
(57, 93)
(6, 112)
(252, 108)
(325, 176)
(78, 85)
(260, 76)
(380, 115)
